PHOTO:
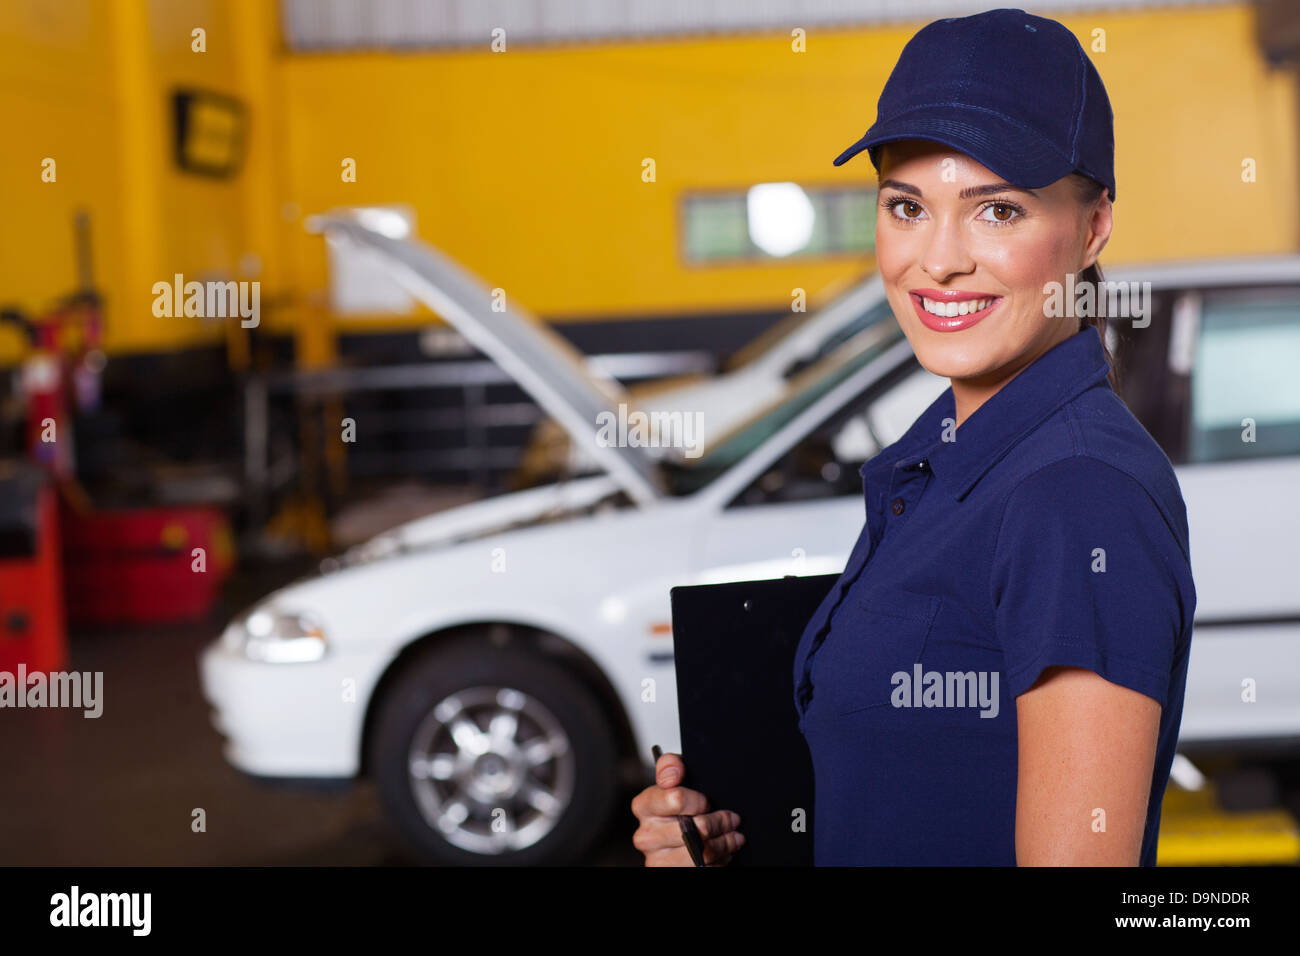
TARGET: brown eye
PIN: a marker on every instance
(1003, 213)
(907, 206)
(900, 208)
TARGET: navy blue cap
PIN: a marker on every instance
(1013, 91)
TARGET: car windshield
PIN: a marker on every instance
(686, 475)
(851, 310)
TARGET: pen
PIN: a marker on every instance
(690, 833)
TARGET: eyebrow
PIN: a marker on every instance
(970, 192)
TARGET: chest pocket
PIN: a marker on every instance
(873, 636)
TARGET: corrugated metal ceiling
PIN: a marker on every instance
(405, 24)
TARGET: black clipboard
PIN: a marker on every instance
(733, 650)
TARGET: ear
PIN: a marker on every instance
(1100, 221)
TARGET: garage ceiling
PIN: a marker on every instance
(405, 24)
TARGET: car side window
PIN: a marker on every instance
(1153, 382)
(824, 464)
(1245, 387)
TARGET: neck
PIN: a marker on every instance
(970, 393)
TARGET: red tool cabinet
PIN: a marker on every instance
(31, 594)
(139, 566)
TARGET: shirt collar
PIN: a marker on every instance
(1040, 389)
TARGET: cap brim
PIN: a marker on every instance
(852, 151)
(1018, 155)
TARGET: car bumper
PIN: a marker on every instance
(285, 720)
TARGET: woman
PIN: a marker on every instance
(997, 677)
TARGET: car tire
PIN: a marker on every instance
(423, 774)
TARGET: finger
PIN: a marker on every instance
(717, 823)
(661, 843)
(657, 834)
(718, 852)
(656, 801)
(669, 857)
(665, 832)
(670, 770)
(641, 802)
(677, 800)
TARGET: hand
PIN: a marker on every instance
(659, 836)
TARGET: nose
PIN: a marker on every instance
(945, 253)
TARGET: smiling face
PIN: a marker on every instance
(965, 256)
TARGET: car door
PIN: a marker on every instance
(1215, 378)
(799, 517)
(803, 514)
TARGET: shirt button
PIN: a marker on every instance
(898, 506)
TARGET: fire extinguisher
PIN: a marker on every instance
(49, 429)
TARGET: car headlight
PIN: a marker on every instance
(277, 637)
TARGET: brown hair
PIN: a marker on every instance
(1088, 191)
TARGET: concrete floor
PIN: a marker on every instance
(120, 789)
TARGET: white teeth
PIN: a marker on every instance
(951, 309)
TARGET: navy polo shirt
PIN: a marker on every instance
(1049, 529)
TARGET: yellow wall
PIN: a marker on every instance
(55, 102)
(527, 165)
(88, 83)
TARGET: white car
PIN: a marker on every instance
(500, 669)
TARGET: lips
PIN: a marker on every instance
(954, 301)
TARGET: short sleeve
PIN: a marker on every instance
(1086, 573)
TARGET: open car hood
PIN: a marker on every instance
(544, 364)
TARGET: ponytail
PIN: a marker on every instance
(1088, 192)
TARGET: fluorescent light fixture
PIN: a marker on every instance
(781, 217)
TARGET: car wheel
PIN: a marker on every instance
(493, 755)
